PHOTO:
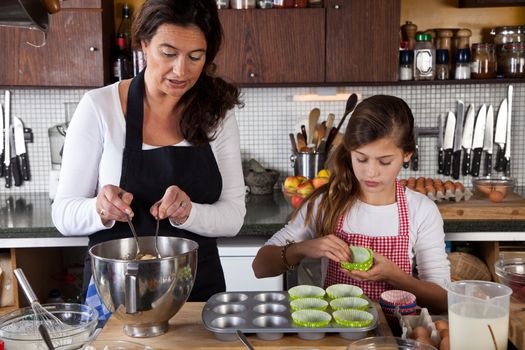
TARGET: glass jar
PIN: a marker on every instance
(442, 71)
(513, 60)
(462, 64)
(511, 34)
(406, 58)
(483, 65)
(424, 58)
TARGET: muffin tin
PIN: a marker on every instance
(268, 316)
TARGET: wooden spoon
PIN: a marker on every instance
(313, 118)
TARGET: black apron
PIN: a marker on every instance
(148, 173)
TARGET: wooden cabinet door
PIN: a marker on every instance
(490, 3)
(362, 40)
(272, 46)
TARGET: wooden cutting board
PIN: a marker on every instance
(481, 208)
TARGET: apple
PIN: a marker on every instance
(305, 188)
(296, 200)
(291, 183)
(319, 181)
(323, 173)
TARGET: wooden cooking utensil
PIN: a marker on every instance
(350, 105)
(313, 118)
(301, 143)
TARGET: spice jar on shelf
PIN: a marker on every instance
(513, 60)
(462, 64)
(442, 71)
(483, 65)
(406, 59)
(408, 33)
(424, 58)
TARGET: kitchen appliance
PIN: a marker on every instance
(144, 294)
(57, 136)
(480, 308)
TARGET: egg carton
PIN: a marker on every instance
(424, 319)
(268, 316)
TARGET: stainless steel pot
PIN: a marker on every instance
(307, 164)
(144, 294)
(24, 13)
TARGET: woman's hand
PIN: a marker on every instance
(113, 203)
(383, 269)
(175, 204)
(329, 246)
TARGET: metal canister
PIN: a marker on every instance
(307, 164)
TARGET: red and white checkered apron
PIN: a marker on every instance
(394, 248)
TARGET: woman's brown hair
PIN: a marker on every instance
(377, 117)
(207, 102)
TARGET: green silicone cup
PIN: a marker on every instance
(306, 291)
(343, 290)
(311, 318)
(353, 318)
(347, 303)
(363, 259)
(308, 303)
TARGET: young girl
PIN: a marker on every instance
(364, 205)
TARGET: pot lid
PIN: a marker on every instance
(24, 13)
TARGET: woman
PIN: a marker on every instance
(160, 144)
(364, 205)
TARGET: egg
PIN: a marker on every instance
(502, 189)
(485, 188)
(419, 332)
(438, 182)
(403, 182)
(496, 196)
(441, 324)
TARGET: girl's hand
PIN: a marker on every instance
(175, 205)
(113, 203)
(383, 269)
(329, 246)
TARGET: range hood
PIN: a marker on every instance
(33, 14)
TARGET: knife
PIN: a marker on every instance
(20, 148)
(440, 145)
(458, 132)
(509, 122)
(7, 127)
(501, 134)
(466, 139)
(2, 172)
(477, 142)
(448, 142)
(415, 156)
(488, 141)
(15, 165)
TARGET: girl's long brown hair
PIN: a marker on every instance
(376, 117)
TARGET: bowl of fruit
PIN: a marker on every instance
(494, 188)
(296, 188)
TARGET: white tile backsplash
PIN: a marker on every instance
(270, 114)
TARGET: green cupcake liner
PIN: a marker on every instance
(308, 303)
(311, 318)
(306, 291)
(363, 258)
(353, 318)
(347, 303)
(343, 290)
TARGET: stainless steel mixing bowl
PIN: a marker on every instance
(144, 294)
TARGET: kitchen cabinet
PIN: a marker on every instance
(490, 3)
(76, 53)
(347, 41)
(272, 46)
(362, 40)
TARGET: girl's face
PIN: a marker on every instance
(175, 58)
(376, 166)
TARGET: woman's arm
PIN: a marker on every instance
(224, 217)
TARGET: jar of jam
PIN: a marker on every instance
(513, 60)
(483, 61)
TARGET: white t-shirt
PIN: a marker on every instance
(426, 247)
(92, 158)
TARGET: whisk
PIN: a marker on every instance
(42, 316)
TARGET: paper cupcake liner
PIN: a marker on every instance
(353, 318)
(308, 303)
(396, 297)
(311, 318)
(363, 259)
(343, 290)
(306, 291)
(346, 303)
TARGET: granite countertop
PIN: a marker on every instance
(29, 216)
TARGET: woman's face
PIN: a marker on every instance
(377, 165)
(175, 58)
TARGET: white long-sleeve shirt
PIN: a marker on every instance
(426, 236)
(92, 158)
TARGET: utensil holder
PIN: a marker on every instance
(307, 164)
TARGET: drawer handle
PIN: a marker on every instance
(337, 7)
(253, 75)
(93, 49)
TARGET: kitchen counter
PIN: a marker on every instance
(187, 332)
(24, 217)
